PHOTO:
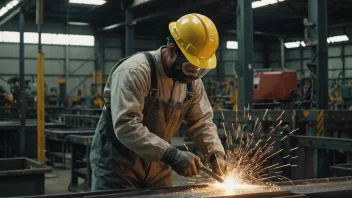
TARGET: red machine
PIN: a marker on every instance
(274, 85)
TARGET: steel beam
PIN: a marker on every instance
(17, 9)
(338, 144)
(22, 100)
(317, 13)
(244, 68)
(129, 46)
(159, 14)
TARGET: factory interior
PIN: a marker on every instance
(280, 95)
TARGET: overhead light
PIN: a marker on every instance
(303, 43)
(8, 7)
(261, 3)
(335, 39)
(88, 2)
(78, 23)
(292, 44)
(232, 45)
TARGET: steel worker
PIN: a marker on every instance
(147, 96)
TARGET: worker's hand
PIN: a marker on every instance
(183, 162)
(187, 164)
(219, 165)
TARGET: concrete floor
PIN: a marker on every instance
(58, 181)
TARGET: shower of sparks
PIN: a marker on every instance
(249, 159)
(294, 149)
(283, 138)
(186, 146)
(294, 131)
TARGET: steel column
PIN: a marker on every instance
(317, 13)
(98, 51)
(220, 69)
(282, 50)
(266, 55)
(129, 32)
(22, 101)
(343, 59)
(244, 68)
(301, 54)
(99, 63)
(40, 87)
(67, 57)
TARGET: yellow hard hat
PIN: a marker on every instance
(197, 37)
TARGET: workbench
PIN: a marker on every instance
(84, 111)
(80, 166)
(74, 120)
(56, 142)
(9, 136)
(315, 188)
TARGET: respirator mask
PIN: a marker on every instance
(183, 71)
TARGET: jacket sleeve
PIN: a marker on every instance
(200, 126)
(128, 89)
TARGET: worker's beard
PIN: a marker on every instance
(178, 74)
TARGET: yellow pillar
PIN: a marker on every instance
(40, 107)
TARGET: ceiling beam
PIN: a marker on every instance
(14, 11)
(158, 14)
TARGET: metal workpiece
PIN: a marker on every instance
(341, 170)
(57, 142)
(9, 137)
(74, 120)
(339, 144)
(22, 177)
(29, 124)
(80, 164)
(80, 139)
(62, 133)
(312, 188)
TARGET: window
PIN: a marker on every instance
(232, 45)
(48, 38)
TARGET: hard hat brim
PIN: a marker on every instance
(208, 63)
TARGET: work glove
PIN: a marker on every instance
(219, 164)
(183, 162)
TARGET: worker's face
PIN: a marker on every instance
(181, 68)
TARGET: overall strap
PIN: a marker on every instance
(189, 94)
(154, 83)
